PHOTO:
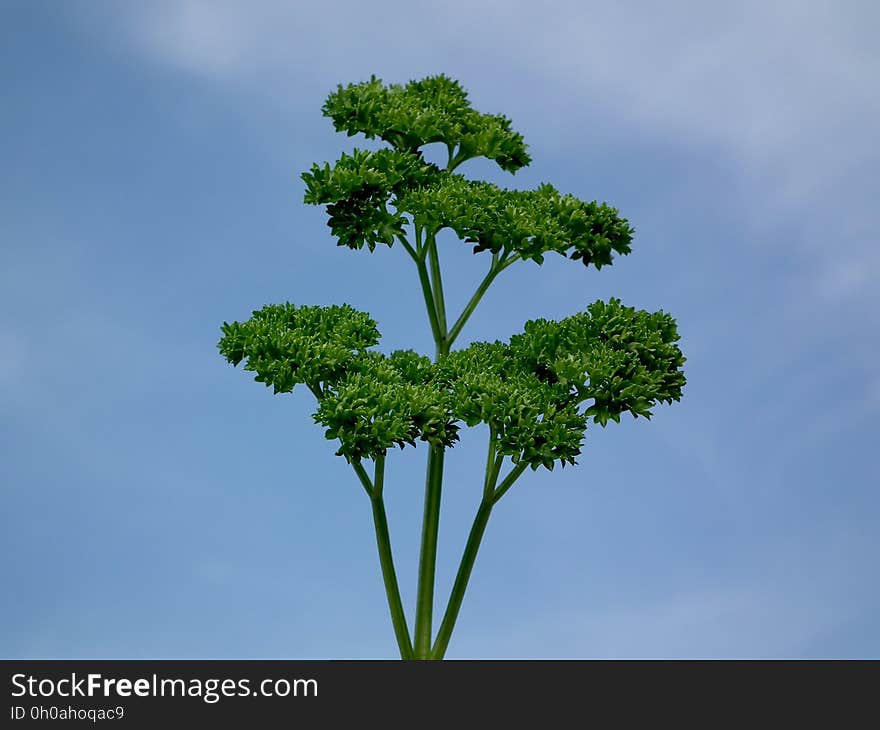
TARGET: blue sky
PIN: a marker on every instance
(158, 503)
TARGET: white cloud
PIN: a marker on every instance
(761, 76)
(784, 92)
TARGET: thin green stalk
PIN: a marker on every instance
(435, 304)
(418, 236)
(363, 477)
(432, 288)
(489, 489)
(493, 465)
(454, 160)
(491, 495)
(461, 579)
(437, 282)
(409, 249)
(386, 559)
(428, 294)
(428, 554)
(498, 265)
(490, 462)
(508, 481)
(475, 537)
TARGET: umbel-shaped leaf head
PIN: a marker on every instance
(537, 393)
(285, 344)
(385, 402)
(529, 223)
(357, 190)
(533, 420)
(531, 390)
(434, 109)
(620, 358)
(371, 196)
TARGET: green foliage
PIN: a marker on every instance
(621, 358)
(530, 223)
(538, 392)
(435, 109)
(529, 391)
(372, 196)
(357, 191)
(286, 345)
(385, 402)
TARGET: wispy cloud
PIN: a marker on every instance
(775, 98)
(784, 90)
(765, 78)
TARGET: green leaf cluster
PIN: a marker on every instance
(537, 393)
(434, 109)
(358, 189)
(529, 391)
(527, 222)
(621, 358)
(371, 196)
(285, 344)
(385, 402)
(533, 420)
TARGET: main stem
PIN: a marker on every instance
(389, 576)
(434, 472)
(427, 262)
(499, 263)
(428, 555)
(437, 284)
(374, 491)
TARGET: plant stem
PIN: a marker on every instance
(490, 496)
(461, 579)
(432, 289)
(386, 559)
(498, 265)
(428, 294)
(409, 249)
(428, 555)
(363, 477)
(488, 483)
(454, 160)
(508, 481)
(436, 454)
(493, 466)
(437, 282)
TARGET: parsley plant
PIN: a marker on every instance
(537, 392)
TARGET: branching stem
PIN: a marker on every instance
(386, 559)
(437, 283)
(427, 260)
(498, 265)
(428, 295)
(363, 477)
(409, 249)
(490, 497)
(509, 480)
